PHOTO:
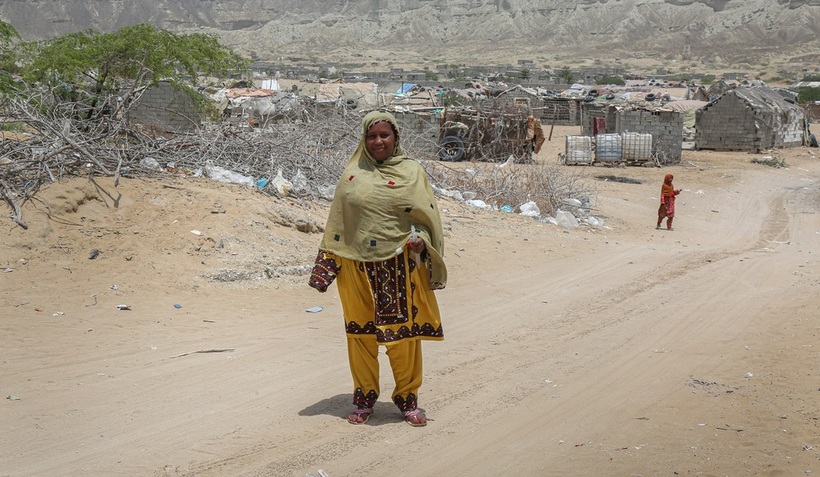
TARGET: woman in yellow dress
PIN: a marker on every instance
(383, 245)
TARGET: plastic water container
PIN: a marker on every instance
(637, 146)
(579, 150)
(608, 148)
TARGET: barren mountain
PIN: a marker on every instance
(730, 32)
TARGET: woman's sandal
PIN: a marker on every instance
(415, 418)
(360, 415)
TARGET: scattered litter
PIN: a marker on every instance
(215, 350)
(478, 203)
(281, 185)
(150, 163)
(506, 209)
(114, 287)
(319, 473)
(8, 270)
(123, 307)
(196, 232)
(177, 306)
(565, 219)
(530, 209)
(94, 253)
(808, 447)
(749, 375)
(221, 174)
(315, 309)
(59, 313)
(12, 398)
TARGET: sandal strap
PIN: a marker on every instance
(363, 411)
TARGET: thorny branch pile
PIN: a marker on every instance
(57, 145)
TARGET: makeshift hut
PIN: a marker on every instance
(516, 98)
(477, 135)
(420, 132)
(749, 119)
(665, 127)
(559, 111)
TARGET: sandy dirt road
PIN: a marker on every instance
(617, 350)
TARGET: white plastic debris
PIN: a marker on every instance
(530, 209)
(281, 185)
(565, 219)
(150, 163)
(478, 203)
(220, 174)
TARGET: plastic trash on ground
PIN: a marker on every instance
(530, 209)
(478, 203)
(220, 174)
(281, 185)
(565, 219)
(300, 182)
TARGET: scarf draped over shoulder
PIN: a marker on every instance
(375, 205)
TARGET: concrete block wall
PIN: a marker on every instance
(420, 134)
(164, 107)
(728, 125)
(666, 128)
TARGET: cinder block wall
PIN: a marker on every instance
(166, 108)
(420, 134)
(666, 128)
(734, 124)
(727, 125)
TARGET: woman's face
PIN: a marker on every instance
(380, 141)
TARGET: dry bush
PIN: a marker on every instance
(548, 185)
(317, 146)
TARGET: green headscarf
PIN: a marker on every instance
(376, 204)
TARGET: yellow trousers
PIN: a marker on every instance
(405, 361)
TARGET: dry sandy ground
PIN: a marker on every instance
(618, 350)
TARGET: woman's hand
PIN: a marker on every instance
(416, 245)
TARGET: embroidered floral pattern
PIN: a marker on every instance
(324, 272)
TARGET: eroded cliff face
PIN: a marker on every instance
(466, 30)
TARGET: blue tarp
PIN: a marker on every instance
(405, 87)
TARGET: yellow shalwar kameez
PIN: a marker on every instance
(385, 289)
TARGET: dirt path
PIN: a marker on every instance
(613, 351)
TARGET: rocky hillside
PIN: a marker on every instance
(755, 32)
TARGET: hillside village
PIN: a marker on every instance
(450, 119)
